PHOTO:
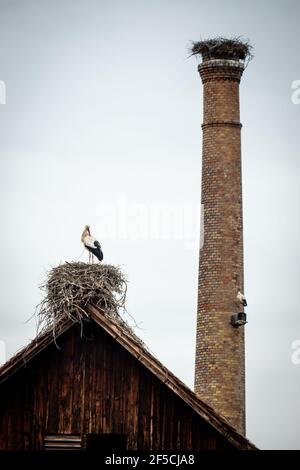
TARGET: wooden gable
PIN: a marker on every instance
(92, 385)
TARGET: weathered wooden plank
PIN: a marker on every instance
(133, 395)
(107, 395)
(99, 380)
(116, 391)
(52, 384)
(169, 425)
(94, 371)
(77, 384)
(65, 386)
(157, 415)
(86, 386)
(3, 417)
(144, 412)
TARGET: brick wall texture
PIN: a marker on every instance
(220, 355)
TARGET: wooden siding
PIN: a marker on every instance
(93, 385)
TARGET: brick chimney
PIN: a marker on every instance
(220, 353)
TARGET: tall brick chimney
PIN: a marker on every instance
(220, 354)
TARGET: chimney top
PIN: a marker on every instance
(222, 48)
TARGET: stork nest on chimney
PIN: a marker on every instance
(223, 48)
(70, 287)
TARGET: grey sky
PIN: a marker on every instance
(103, 105)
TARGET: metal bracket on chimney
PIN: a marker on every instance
(238, 319)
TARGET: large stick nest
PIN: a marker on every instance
(70, 287)
(223, 48)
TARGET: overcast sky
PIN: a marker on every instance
(102, 126)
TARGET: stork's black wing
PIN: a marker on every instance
(99, 252)
(96, 250)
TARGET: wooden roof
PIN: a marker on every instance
(135, 347)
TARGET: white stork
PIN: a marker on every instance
(241, 298)
(91, 244)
